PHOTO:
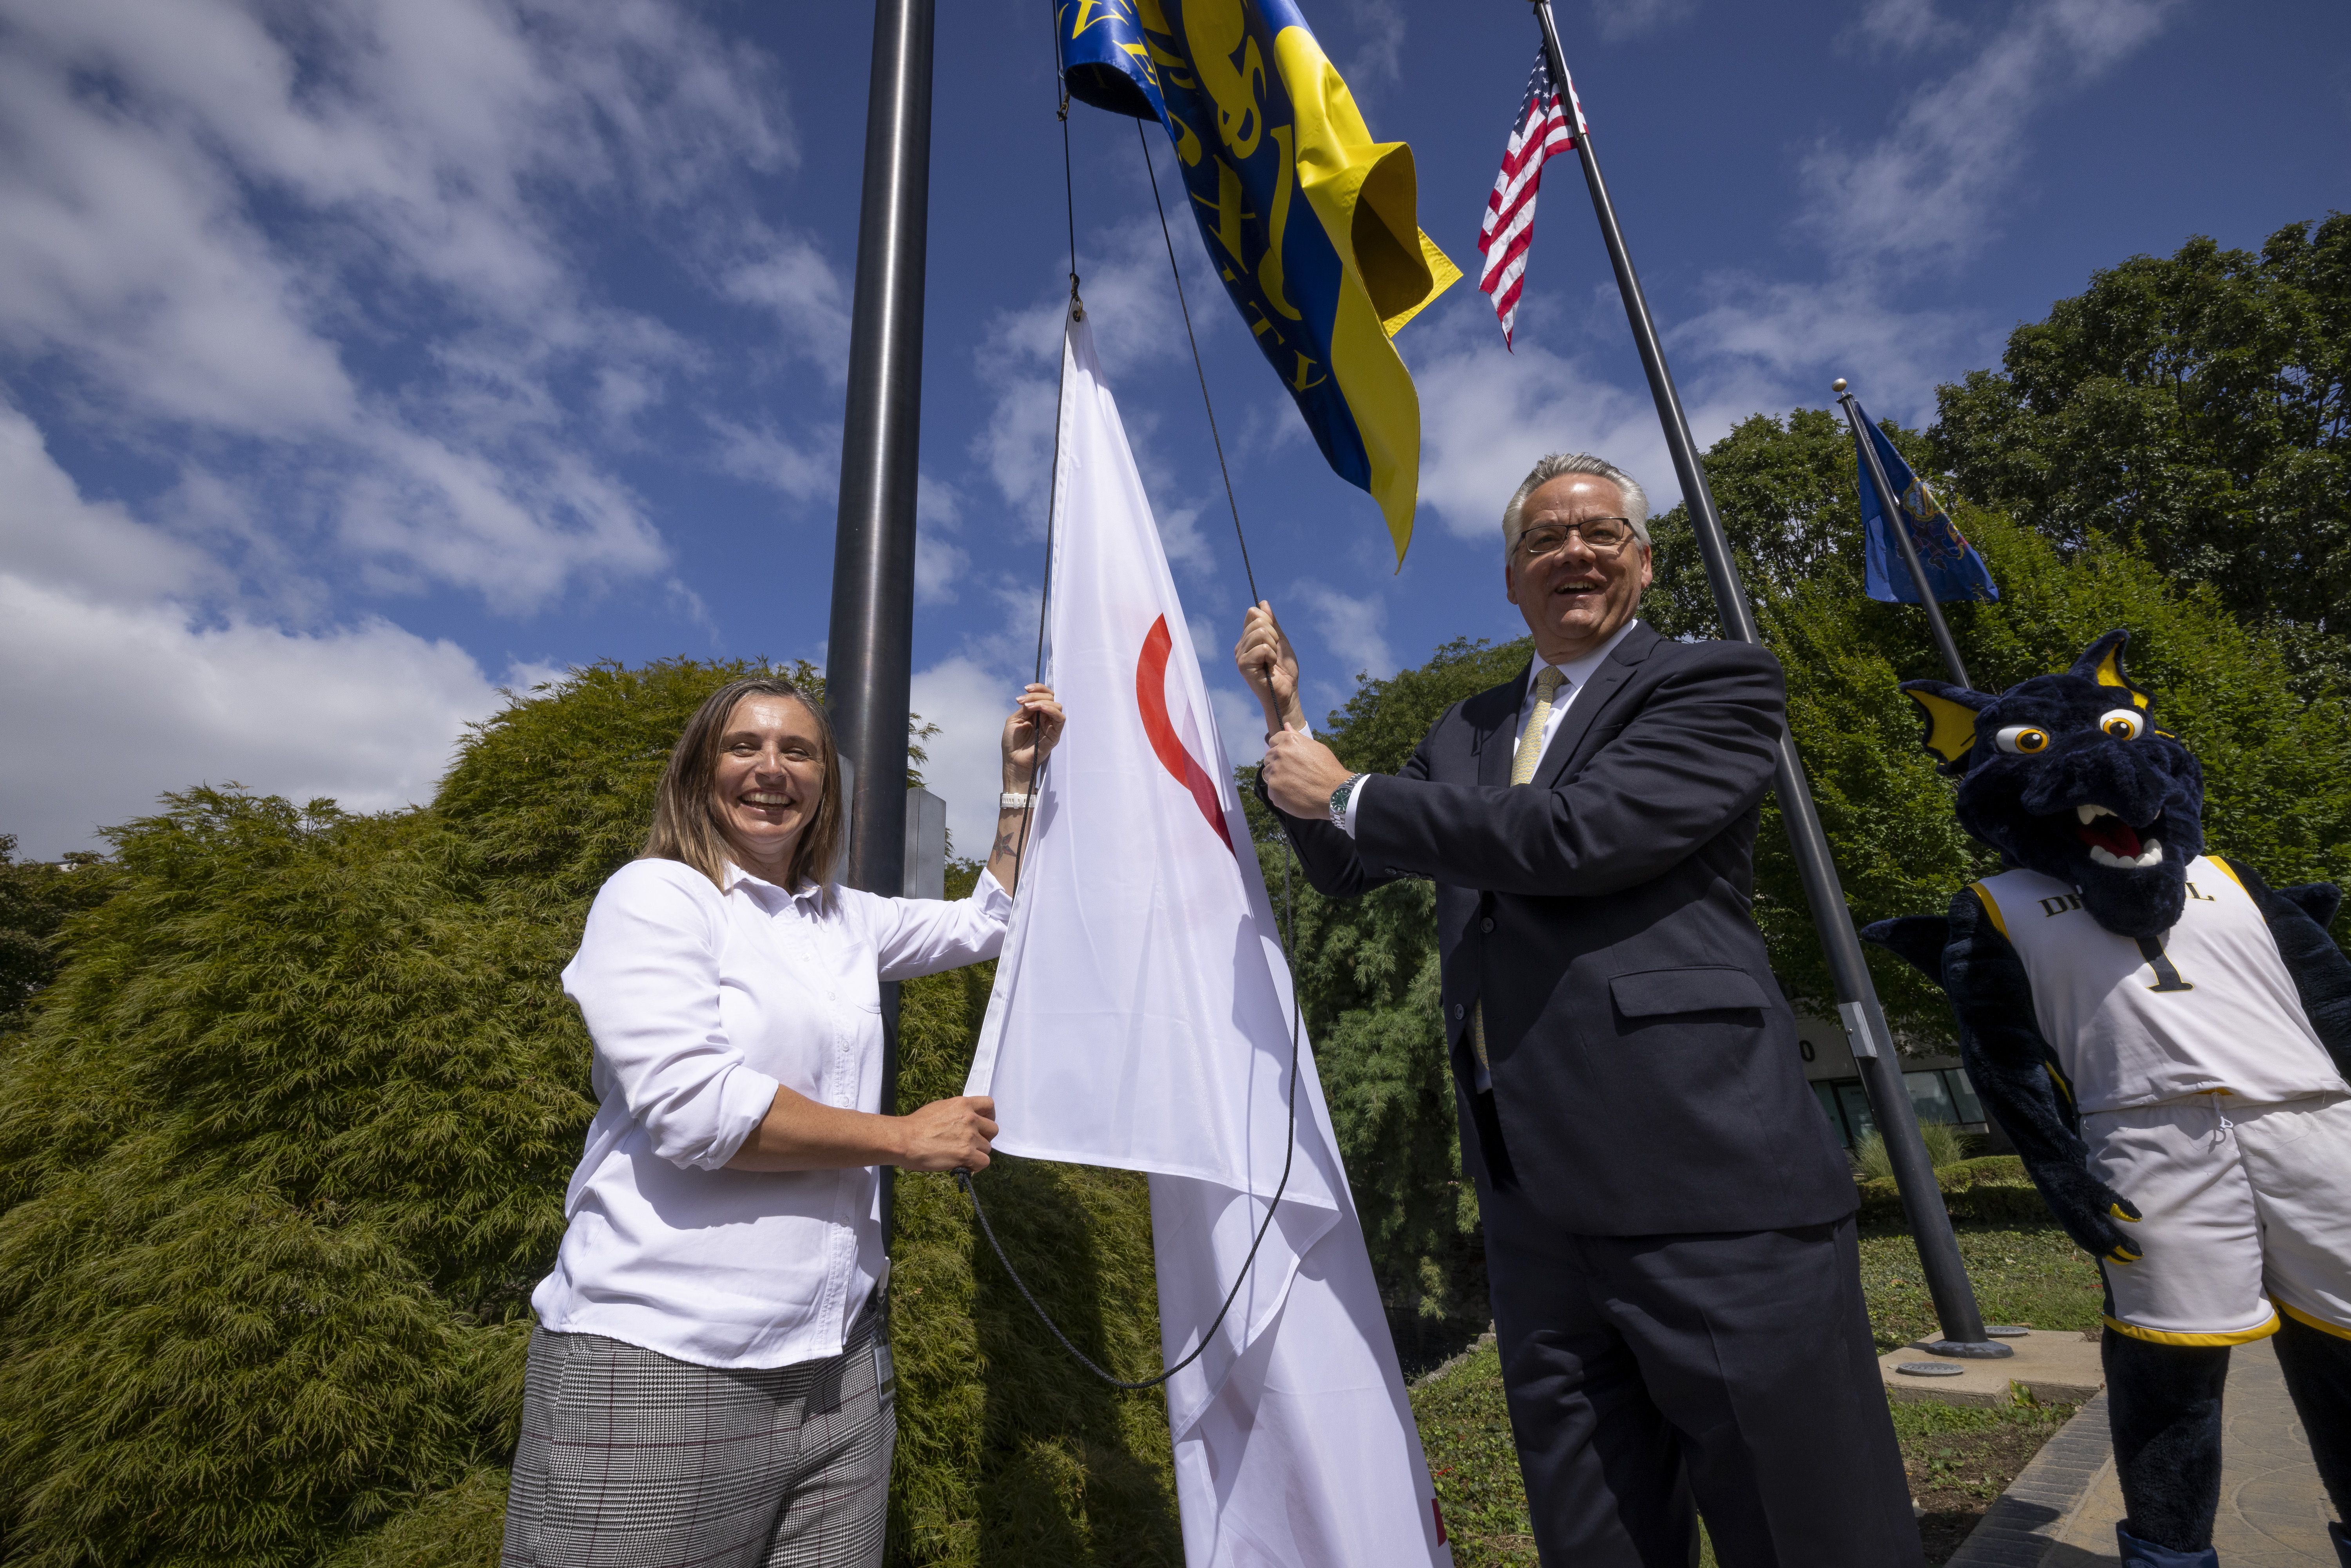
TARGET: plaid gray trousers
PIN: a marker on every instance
(630, 1459)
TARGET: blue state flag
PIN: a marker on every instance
(1953, 567)
(1309, 223)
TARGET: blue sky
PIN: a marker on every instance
(359, 357)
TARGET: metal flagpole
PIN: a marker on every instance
(1857, 1004)
(869, 653)
(1935, 624)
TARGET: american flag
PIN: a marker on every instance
(1541, 130)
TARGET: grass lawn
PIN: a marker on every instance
(1958, 1459)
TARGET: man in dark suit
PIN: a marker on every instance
(1669, 1232)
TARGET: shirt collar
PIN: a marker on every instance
(1580, 669)
(804, 894)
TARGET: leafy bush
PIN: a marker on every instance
(1993, 1189)
(2196, 409)
(2277, 764)
(1946, 1146)
(282, 1152)
(35, 901)
(2278, 774)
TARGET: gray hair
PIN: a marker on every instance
(1636, 500)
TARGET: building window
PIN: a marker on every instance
(1936, 1095)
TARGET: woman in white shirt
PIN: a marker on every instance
(709, 1383)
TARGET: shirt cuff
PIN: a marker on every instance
(743, 1103)
(993, 900)
(1354, 803)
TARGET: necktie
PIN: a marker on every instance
(1522, 771)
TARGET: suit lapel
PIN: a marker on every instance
(1498, 731)
(1603, 684)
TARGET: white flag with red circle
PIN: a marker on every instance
(1142, 1019)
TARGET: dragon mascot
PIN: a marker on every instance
(2165, 1038)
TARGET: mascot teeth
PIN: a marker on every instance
(2092, 813)
(2151, 855)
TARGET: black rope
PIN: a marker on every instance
(1197, 367)
(1052, 505)
(1037, 779)
(1289, 1158)
(1069, 185)
(1076, 311)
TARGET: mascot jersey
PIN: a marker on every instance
(2129, 1023)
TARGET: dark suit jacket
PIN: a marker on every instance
(1645, 1064)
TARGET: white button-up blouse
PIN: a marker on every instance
(700, 1003)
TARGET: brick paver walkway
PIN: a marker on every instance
(2061, 1511)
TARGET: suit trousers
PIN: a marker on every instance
(632, 1459)
(1652, 1378)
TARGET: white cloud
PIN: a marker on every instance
(1241, 723)
(1768, 344)
(121, 687)
(802, 470)
(50, 537)
(939, 568)
(107, 706)
(1620, 19)
(446, 516)
(1487, 415)
(940, 564)
(1180, 537)
(214, 214)
(1921, 198)
(1377, 60)
(1138, 331)
(1353, 629)
(969, 702)
(1900, 28)
(1928, 192)
(793, 281)
(1017, 448)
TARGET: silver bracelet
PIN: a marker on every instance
(1010, 802)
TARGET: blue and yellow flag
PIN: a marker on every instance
(1309, 221)
(1953, 567)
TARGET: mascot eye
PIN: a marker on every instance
(2021, 737)
(2122, 723)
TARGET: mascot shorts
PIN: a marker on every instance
(2242, 1206)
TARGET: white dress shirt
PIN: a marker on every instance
(700, 1003)
(1577, 669)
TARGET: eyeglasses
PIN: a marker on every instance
(1601, 535)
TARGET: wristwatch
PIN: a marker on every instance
(1339, 799)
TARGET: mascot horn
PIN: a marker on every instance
(2166, 1039)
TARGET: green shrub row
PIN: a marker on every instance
(1992, 1188)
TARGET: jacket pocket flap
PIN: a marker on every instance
(1656, 991)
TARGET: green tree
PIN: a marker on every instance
(1787, 490)
(37, 898)
(2278, 773)
(2197, 410)
(282, 1150)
